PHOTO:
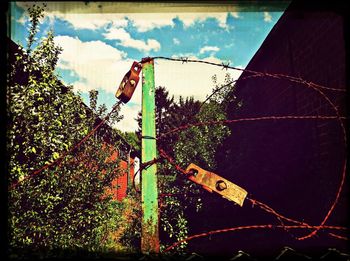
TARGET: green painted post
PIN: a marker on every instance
(149, 190)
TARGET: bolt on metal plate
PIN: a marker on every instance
(213, 182)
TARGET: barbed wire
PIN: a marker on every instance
(318, 88)
(226, 85)
(143, 166)
(248, 119)
(268, 209)
(62, 157)
(340, 188)
(259, 74)
(314, 86)
(338, 237)
(227, 66)
(254, 202)
(266, 226)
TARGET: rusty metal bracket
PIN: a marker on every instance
(129, 83)
(213, 182)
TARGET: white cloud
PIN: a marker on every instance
(209, 49)
(190, 19)
(176, 41)
(120, 22)
(92, 50)
(23, 19)
(142, 21)
(127, 41)
(85, 21)
(130, 113)
(235, 15)
(148, 21)
(267, 17)
(82, 87)
(99, 66)
(190, 79)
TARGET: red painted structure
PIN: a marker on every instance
(121, 183)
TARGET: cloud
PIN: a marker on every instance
(101, 66)
(235, 15)
(97, 64)
(143, 22)
(120, 22)
(148, 21)
(190, 19)
(176, 41)
(85, 21)
(126, 40)
(267, 17)
(209, 49)
(23, 19)
(130, 114)
(190, 79)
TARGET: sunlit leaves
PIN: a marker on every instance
(65, 205)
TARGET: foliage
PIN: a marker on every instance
(132, 139)
(64, 206)
(206, 141)
(122, 230)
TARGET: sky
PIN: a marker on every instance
(100, 41)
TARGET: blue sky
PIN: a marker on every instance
(99, 47)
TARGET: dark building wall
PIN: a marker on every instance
(309, 45)
(294, 166)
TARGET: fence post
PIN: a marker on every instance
(149, 191)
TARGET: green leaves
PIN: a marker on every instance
(55, 155)
(65, 205)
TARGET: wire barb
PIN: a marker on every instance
(184, 59)
(225, 66)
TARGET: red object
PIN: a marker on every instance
(119, 185)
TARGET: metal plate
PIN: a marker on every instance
(213, 182)
(129, 83)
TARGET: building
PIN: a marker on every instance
(294, 166)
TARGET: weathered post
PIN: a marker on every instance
(149, 190)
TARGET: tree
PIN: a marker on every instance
(65, 206)
(132, 139)
(197, 145)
